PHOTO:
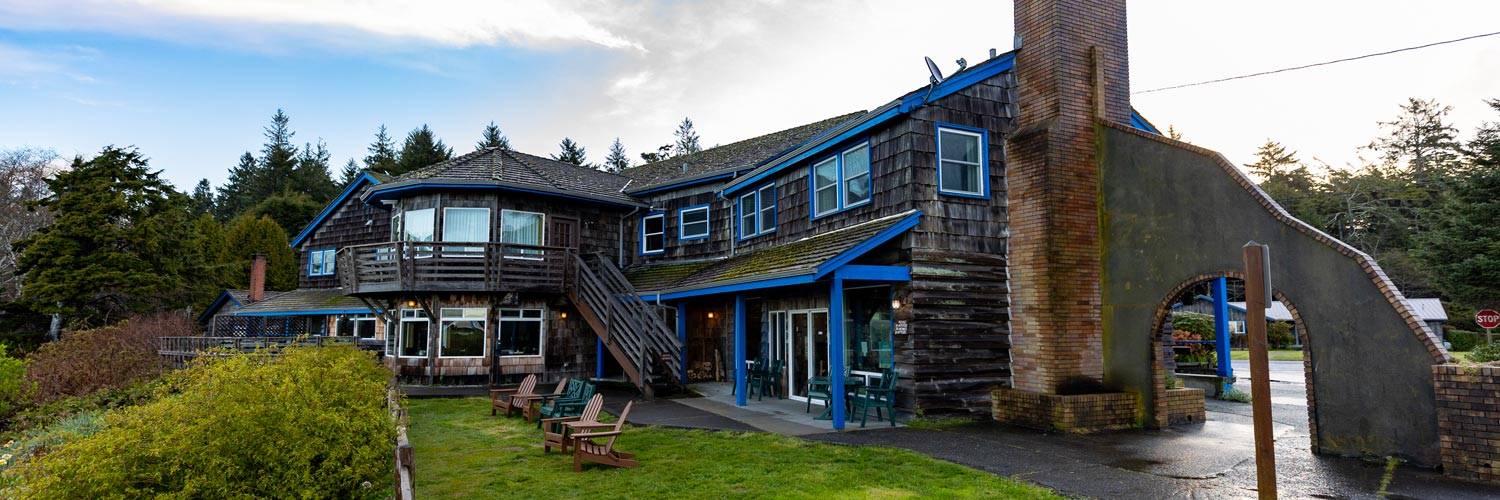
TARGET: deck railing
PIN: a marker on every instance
(406, 266)
(179, 350)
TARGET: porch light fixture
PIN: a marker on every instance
(563, 315)
(895, 304)
(411, 303)
(710, 315)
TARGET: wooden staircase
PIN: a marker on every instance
(633, 331)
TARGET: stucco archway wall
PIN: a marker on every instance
(1172, 211)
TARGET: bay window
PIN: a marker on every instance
(418, 227)
(461, 332)
(522, 228)
(520, 332)
(466, 225)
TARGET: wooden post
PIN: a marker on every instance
(836, 349)
(1257, 298)
(739, 350)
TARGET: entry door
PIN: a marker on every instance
(563, 232)
(777, 345)
(808, 344)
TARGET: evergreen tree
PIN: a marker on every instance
(203, 198)
(617, 160)
(348, 174)
(1422, 143)
(1462, 249)
(687, 138)
(492, 138)
(209, 249)
(311, 176)
(249, 235)
(290, 210)
(662, 153)
(118, 244)
(421, 149)
(239, 192)
(278, 158)
(1287, 181)
(382, 157)
(570, 152)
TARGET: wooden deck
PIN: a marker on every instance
(404, 266)
(179, 350)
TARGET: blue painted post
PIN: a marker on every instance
(739, 350)
(1221, 330)
(836, 348)
(598, 357)
(682, 337)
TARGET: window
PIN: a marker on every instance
(841, 181)
(1237, 327)
(867, 330)
(653, 234)
(320, 262)
(413, 337)
(419, 227)
(826, 187)
(466, 225)
(521, 228)
(361, 326)
(461, 332)
(961, 162)
(520, 332)
(758, 212)
(692, 223)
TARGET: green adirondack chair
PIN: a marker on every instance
(567, 406)
(880, 396)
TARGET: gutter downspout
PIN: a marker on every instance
(620, 259)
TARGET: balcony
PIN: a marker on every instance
(407, 266)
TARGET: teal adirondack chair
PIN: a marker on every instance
(568, 406)
(879, 396)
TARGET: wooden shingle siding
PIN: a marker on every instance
(347, 226)
(598, 227)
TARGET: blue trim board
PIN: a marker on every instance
(642, 224)
(857, 272)
(856, 131)
(598, 357)
(984, 159)
(686, 183)
(709, 218)
(801, 279)
(1140, 122)
(879, 238)
(309, 312)
(364, 177)
(385, 193)
(739, 350)
(836, 349)
(682, 338)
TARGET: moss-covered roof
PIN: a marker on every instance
(309, 300)
(663, 275)
(729, 157)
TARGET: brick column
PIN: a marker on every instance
(1053, 186)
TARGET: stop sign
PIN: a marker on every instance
(1487, 318)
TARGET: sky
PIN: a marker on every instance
(192, 83)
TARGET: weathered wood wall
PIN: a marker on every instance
(352, 223)
(568, 346)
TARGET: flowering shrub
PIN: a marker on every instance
(310, 423)
(119, 355)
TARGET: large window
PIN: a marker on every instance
(520, 332)
(466, 225)
(692, 223)
(961, 162)
(757, 212)
(867, 327)
(461, 332)
(841, 181)
(522, 228)
(418, 226)
(653, 234)
(361, 326)
(413, 336)
(320, 262)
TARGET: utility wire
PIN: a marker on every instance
(1313, 65)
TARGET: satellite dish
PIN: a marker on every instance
(962, 63)
(937, 74)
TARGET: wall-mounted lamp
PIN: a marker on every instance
(895, 303)
(710, 315)
(411, 303)
(563, 315)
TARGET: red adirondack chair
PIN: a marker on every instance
(503, 398)
(599, 447)
(558, 432)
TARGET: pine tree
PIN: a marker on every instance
(570, 152)
(1462, 249)
(382, 157)
(311, 175)
(278, 157)
(203, 198)
(1286, 180)
(687, 138)
(348, 174)
(492, 138)
(421, 149)
(1422, 141)
(240, 191)
(617, 160)
(117, 246)
(249, 235)
(662, 153)
(289, 209)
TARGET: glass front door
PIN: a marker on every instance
(807, 345)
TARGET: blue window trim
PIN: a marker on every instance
(648, 215)
(682, 228)
(840, 192)
(984, 159)
(760, 206)
(314, 251)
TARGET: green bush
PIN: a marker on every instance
(1279, 334)
(36, 416)
(114, 356)
(310, 423)
(1461, 340)
(13, 385)
(1201, 324)
(1485, 353)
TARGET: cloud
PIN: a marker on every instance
(457, 23)
(35, 67)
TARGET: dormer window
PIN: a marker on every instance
(692, 223)
(653, 234)
(757, 212)
(842, 181)
(962, 167)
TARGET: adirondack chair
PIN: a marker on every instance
(599, 447)
(767, 380)
(567, 406)
(881, 395)
(529, 404)
(501, 398)
(557, 432)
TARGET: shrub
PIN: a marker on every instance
(1485, 353)
(1201, 324)
(114, 356)
(1461, 340)
(34, 416)
(1236, 395)
(1279, 334)
(12, 383)
(310, 423)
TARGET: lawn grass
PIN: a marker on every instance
(463, 452)
(1273, 355)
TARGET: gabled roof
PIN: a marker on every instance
(231, 299)
(507, 170)
(1428, 309)
(723, 161)
(365, 178)
(809, 258)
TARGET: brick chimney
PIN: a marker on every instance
(1071, 71)
(257, 278)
